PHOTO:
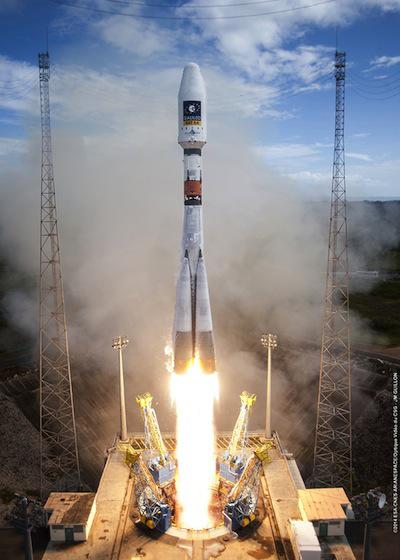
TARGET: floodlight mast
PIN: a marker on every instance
(119, 343)
(270, 342)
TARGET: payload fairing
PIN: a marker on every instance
(192, 336)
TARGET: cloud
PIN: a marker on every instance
(12, 146)
(14, 74)
(286, 151)
(250, 50)
(377, 178)
(257, 45)
(18, 86)
(311, 177)
(256, 48)
(361, 134)
(309, 167)
(143, 38)
(104, 101)
(305, 63)
(385, 61)
(370, 178)
(361, 157)
(384, 5)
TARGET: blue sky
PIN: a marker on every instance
(267, 78)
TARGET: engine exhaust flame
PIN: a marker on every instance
(194, 394)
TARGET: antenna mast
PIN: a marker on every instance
(58, 443)
(332, 452)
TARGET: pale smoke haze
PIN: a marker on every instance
(120, 214)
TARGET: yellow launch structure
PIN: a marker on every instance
(260, 456)
(153, 437)
(156, 456)
(154, 511)
(242, 499)
(139, 465)
(239, 435)
(234, 459)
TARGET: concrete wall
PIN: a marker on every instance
(304, 540)
(335, 528)
(91, 518)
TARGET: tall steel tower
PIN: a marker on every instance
(58, 445)
(332, 452)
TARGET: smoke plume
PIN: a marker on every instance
(119, 198)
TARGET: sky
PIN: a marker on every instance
(268, 75)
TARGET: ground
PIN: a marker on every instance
(19, 456)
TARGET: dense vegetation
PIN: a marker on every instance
(381, 305)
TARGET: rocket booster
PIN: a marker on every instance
(192, 334)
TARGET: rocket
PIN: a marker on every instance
(192, 334)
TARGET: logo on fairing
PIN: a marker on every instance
(192, 113)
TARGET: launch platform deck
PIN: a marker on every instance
(114, 535)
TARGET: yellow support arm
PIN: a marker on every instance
(240, 429)
(259, 456)
(134, 457)
(151, 425)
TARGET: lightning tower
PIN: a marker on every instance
(332, 451)
(58, 444)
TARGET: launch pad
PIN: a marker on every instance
(116, 535)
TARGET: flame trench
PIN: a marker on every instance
(194, 394)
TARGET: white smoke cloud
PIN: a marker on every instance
(120, 209)
(118, 180)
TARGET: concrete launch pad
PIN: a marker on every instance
(115, 536)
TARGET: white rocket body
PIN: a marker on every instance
(193, 324)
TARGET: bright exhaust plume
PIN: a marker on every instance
(194, 394)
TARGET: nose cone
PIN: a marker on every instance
(192, 83)
(192, 112)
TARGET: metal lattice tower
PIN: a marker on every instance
(58, 444)
(332, 452)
